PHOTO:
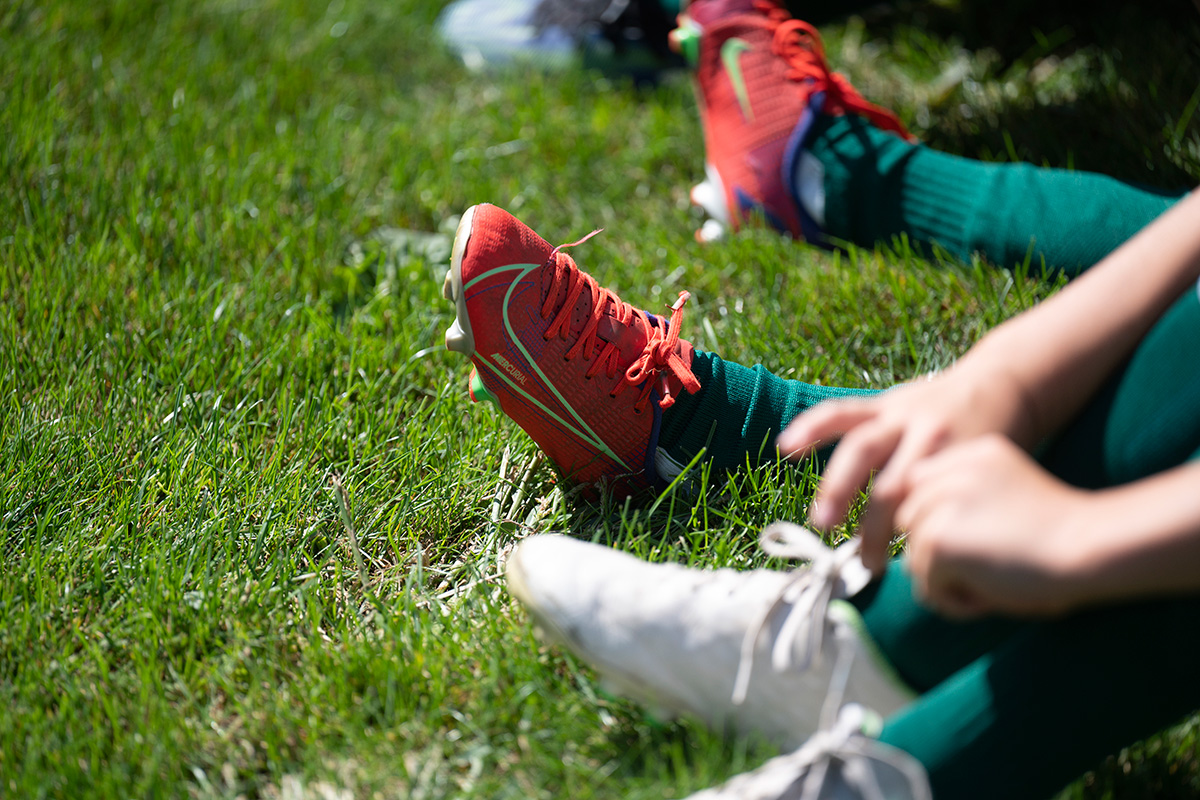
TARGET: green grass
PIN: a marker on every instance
(202, 327)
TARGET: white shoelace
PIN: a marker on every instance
(839, 746)
(806, 596)
(843, 744)
(838, 755)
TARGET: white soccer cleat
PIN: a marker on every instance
(840, 763)
(755, 651)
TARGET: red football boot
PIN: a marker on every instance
(761, 78)
(583, 373)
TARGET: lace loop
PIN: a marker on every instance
(839, 743)
(805, 597)
(799, 44)
(662, 354)
(841, 759)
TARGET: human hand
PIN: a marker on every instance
(990, 531)
(888, 433)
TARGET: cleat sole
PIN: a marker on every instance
(459, 337)
(710, 231)
(479, 392)
(709, 195)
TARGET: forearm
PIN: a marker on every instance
(1141, 539)
(1059, 352)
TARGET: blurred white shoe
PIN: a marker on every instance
(755, 651)
(841, 763)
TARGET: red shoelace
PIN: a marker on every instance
(660, 354)
(799, 44)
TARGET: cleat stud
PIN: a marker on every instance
(480, 393)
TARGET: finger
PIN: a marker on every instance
(925, 588)
(823, 424)
(944, 587)
(937, 463)
(892, 486)
(956, 600)
(878, 523)
(930, 491)
(859, 454)
(911, 509)
(922, 516)
(915, 551)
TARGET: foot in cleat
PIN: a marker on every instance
(761, 80)
(585, 374)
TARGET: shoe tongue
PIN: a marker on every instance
(630, 338)
(633, 343)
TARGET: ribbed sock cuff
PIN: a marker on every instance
(737, 413)
(936, 199)
(878, 186)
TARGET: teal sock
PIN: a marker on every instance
(737, 413)
(878, 186)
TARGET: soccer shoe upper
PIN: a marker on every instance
(761, 76)
(756, 651)
(583, 373)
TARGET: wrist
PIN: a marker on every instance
(1088, 558)
(1006, 388)
(1136, 540)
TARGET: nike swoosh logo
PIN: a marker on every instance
(578, 426)
(730, 58)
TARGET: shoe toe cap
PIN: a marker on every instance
(543, 571)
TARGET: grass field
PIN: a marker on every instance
(207, 319)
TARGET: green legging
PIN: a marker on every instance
(1017, 709)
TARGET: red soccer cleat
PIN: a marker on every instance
(583, 373)
(761, 78)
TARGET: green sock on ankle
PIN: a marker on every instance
(878, 186)
(737, 413)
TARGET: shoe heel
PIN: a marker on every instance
(458, 336)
